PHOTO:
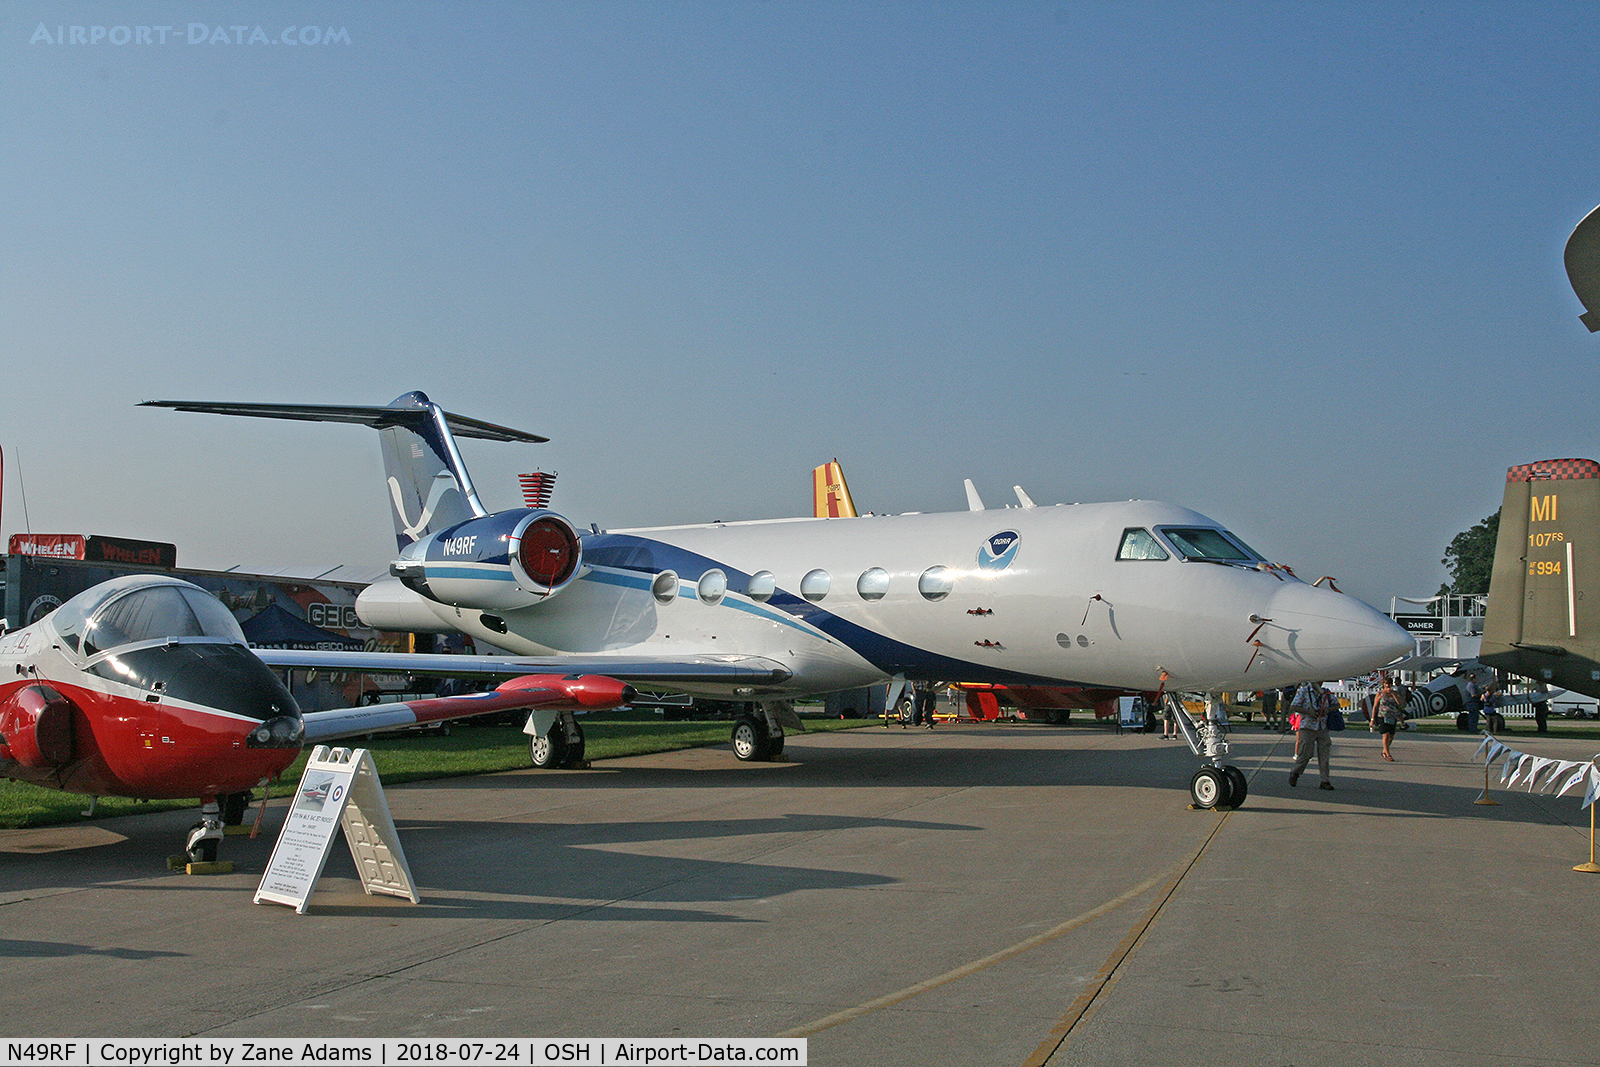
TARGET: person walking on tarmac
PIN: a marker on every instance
(1311, 736)
(1386, 714)
(1541, 707)
(1474, 702)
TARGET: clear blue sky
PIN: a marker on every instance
(1295, 266)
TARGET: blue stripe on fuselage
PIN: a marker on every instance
(626, 555)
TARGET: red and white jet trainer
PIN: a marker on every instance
(144, 687)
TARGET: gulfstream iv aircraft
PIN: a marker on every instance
(1121, 595)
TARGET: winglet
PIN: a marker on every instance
(974, 501)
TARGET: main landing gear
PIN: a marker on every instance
(1215, 784)
(758, 732)
(560, 745)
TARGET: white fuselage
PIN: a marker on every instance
(848, 602)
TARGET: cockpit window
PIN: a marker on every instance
(156, 613)
(1137, 543)
(1199, 542)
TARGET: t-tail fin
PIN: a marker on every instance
(830, 496)
(429, 488)
(1542, 623)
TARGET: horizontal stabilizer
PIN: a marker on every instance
(426, 476)
(377, 417)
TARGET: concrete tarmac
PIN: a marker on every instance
(983, 895)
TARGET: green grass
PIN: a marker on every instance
(415, 757)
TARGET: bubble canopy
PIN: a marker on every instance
(142, 608)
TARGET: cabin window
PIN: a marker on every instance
(665, 587)
(762, 585)
(712, 587)
(873, 584)
(1138, 543)
(936, 583)
(815, 585)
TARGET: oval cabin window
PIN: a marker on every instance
(815, 585)
(936, 583)
(873, 584)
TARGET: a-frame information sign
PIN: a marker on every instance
(340, 787)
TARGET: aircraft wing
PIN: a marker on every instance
(647, 670)
(588, 693)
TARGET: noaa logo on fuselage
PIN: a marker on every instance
(997, 552)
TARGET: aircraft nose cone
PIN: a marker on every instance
(1332, 635)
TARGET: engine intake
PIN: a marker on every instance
(36, 728)
(495, 563)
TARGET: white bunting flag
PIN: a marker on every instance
(1569, 775)
(1513, 770)
(1540, 766)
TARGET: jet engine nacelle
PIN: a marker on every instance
(36, 727)
(494, 563)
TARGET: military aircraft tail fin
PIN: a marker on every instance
(1542, 622)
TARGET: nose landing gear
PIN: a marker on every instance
(1215, 784)
(200, 843)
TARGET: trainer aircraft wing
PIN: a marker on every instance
(520, 693)
(752, 671)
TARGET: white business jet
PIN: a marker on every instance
(1134, 595)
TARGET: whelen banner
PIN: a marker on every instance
(51, 546)
(130, 553)
(121, 550)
